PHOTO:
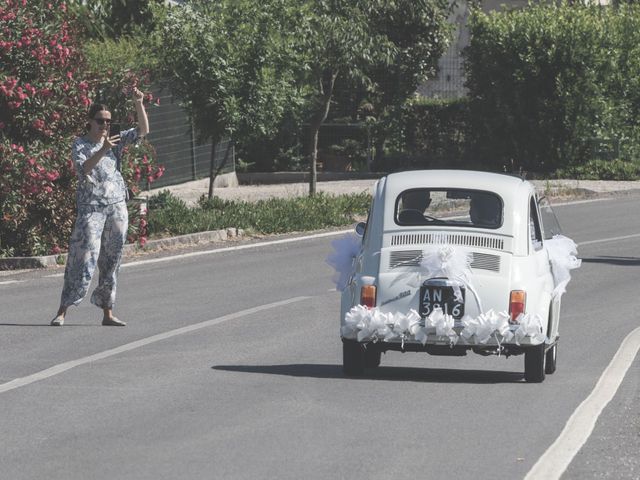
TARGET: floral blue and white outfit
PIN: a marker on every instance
(101, 225)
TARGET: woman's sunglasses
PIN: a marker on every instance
(102, 121)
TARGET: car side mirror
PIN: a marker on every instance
(360, 228)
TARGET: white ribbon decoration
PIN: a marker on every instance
(562, 255)
(530, 326)
(370, 324)
(345, 249)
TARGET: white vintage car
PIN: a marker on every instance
(451, 261)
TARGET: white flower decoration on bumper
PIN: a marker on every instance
(562, 254)
(485, 326)
(372, 325)
(346, 248)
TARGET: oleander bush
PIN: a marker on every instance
(46, 87)
(169, 215)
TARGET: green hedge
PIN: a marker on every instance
(169, 215)
(428, 134)
(544, 81)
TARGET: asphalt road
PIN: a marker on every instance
(230, 367)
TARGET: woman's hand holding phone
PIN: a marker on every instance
(114, 135)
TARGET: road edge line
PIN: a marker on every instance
(555, 460)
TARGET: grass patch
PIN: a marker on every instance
(169, 215)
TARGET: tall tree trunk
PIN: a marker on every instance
(325, 92)
(212, 167)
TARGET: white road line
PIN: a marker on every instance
(610, 239)
(63, 367)
(552, 464)
(12, 281)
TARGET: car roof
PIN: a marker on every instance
(471, 179)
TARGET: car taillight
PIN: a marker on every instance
(368, 296)
(517, 302)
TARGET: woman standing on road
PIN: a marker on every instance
(101, 225)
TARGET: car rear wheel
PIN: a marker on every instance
(372, 357)
(534, 357)
(353, 358)
(550, 359)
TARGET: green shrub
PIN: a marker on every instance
(171, 216)
(545, 79)
(429, 134)
(602, 170)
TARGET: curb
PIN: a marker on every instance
(277, 178)
(47, 261)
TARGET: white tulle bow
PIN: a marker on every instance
(447, 261)
(345, 249)
(562, 255)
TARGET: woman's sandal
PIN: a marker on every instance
(113, 322)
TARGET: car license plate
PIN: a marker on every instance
(432, 297)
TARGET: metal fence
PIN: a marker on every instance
(341, 146)
(172, 136)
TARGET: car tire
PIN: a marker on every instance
(550, 359)
(534, 357)
(372, 357)
(353, 358)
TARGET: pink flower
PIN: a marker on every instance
(56, 250)
(142, 241)
(52, 176)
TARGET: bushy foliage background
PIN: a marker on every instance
(46, 86)
(547, 80)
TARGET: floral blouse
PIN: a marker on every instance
(104, 185)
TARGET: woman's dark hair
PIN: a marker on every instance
(93, 109)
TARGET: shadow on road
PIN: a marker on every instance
(427, 375)
(623, 261)
(47, 325)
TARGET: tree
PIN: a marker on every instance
(230, 64)
(420, 31)
(337, 40)
(111, 19)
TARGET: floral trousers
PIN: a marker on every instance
(98, 239)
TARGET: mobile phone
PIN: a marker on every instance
(114, 129)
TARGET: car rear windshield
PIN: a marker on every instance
(453, 207)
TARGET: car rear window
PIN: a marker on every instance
(454, 207)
